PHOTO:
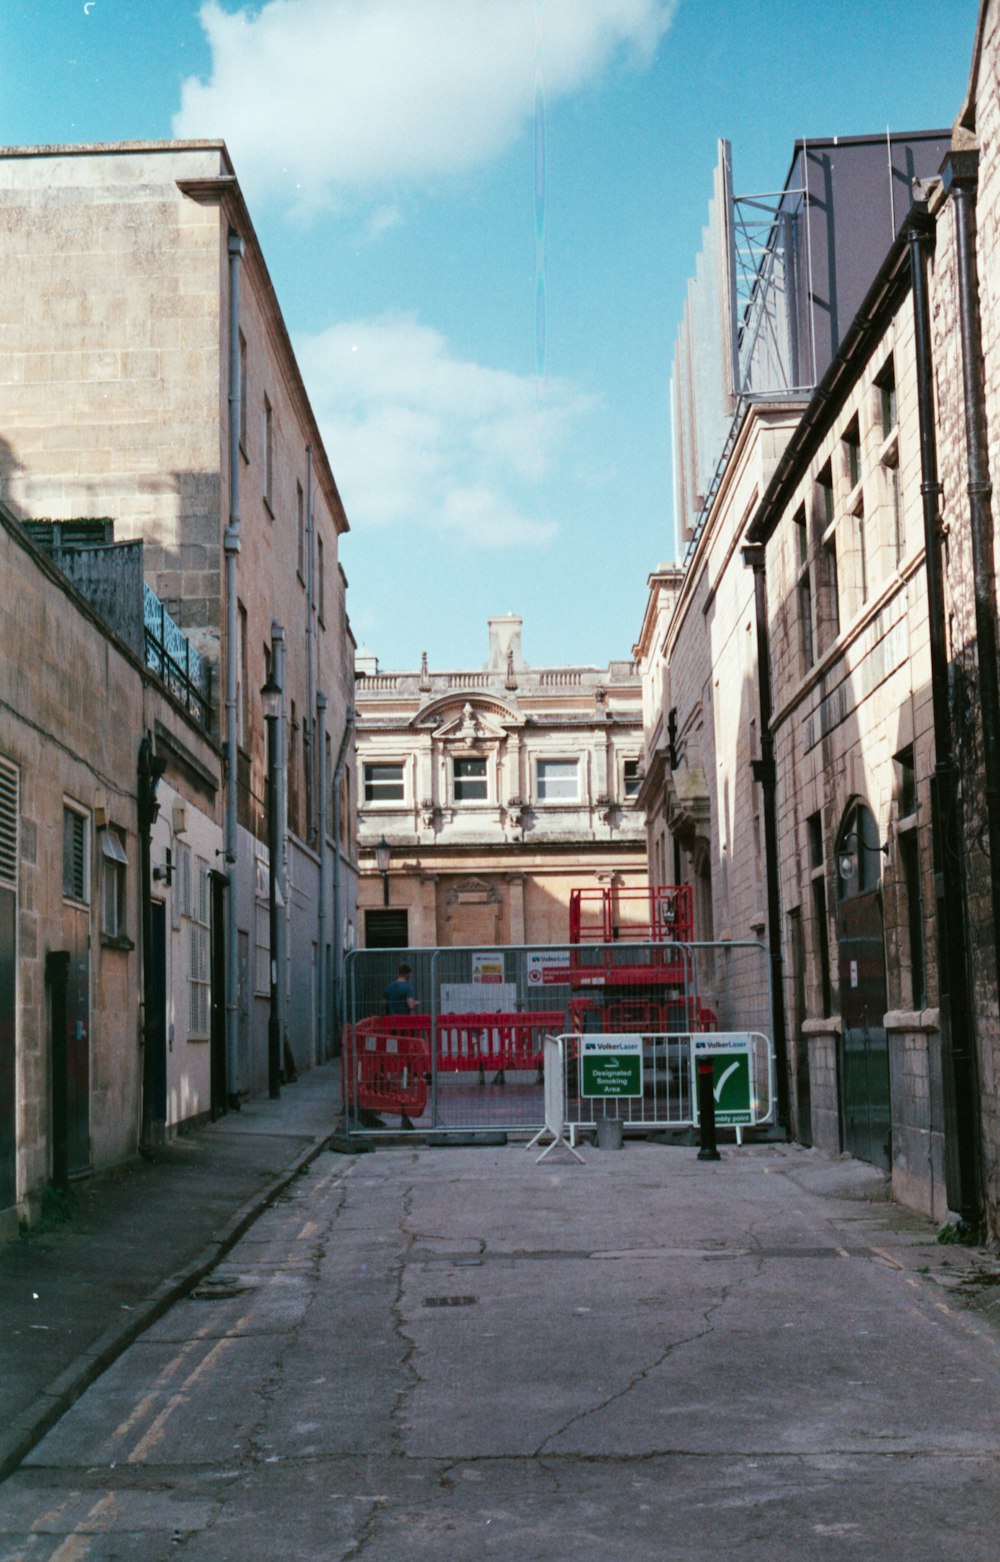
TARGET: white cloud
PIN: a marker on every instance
(317, 97)
(420, 438)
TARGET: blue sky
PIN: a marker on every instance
(480, 217)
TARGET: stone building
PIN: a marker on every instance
(880, 538)
(89, 921)
(861, 796)
(150, 380)
(748, 355)
(497, 790)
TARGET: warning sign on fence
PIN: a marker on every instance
(611, 1066)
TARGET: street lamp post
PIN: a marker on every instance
(383, 851)
(271, 699)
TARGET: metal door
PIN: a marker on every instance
(866, 1107)
(76, 929)
(8, 1140)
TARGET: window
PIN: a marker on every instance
(114, 862)
(852, 454)
(386, 929)
(895, 513)
(76, 878)
(469, 780)
(320, 581)
(886, 384)
(832, 586)
(384, 783)
(199, 971)
(861, 555)
(242, 724)
(268, 455)
(300, 521)
(820, 928)
(8, 824)
(909, 862)
(906, 783)
(243, 393)
(631, 778)
(801, 535)
(558, 781)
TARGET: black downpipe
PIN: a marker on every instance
(961, 178)
(765, 771)
(958, 1053)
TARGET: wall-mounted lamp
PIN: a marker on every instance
(383, 852)
(847, 857)
(165, 875)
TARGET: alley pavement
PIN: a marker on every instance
(75, 1292)
(443, 1352)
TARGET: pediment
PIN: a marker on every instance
(458, 719)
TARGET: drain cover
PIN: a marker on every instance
(218, 1290)
(449, 1301)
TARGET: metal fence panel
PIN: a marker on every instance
(469, 1058)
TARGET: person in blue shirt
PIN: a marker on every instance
(399, 997)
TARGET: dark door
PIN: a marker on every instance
(157, 1018)
(76, 924)
(8, 1141)
(218, 995)
(866, 1107)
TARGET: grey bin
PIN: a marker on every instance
(610, 1135)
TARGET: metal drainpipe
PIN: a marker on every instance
(957, 1044)
(231, 545)
(765, 771)
(319, 1037)
(961, 177)
(281, 804)
(338, 914)
(310, 776)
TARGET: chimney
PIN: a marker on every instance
(505, 639)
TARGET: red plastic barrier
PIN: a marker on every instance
(494, 1041)
(387, 1063)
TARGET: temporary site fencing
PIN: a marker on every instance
(470, 1054)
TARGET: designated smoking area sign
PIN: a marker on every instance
(730, 1055)
(611, 1066)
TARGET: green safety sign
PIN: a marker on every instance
(611, 1066)
(731, 1083)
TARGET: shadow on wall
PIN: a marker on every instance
(10, 467)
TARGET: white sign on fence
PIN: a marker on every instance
(547, 967)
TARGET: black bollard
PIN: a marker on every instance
(708, 1150)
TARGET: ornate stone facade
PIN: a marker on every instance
(497, 790)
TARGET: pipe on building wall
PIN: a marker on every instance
(319, 1036)
(231, 545)
(280, 952)
(958, 1061)
(765, 771)
(338, 911)
(961, 179)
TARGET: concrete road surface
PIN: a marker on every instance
(460, 1354)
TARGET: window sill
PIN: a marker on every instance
(117, 941)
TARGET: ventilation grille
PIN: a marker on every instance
(8, 824)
